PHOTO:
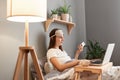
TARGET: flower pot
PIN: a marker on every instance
(55, 16)
(65, 17)
(59, 17)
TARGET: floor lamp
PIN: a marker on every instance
(26, 11)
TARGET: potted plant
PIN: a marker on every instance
(64, 11)
(94, 50)
(54, 13)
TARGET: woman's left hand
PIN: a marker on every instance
(80, 48)
(78, 51)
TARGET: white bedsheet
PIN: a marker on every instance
(112, 74)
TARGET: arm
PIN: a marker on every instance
(62, 67)
(78, 51)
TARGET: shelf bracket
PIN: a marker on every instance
(69, 28)
(47, 24)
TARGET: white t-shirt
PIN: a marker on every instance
(62, 57)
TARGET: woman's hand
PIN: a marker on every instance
(84, 62)
(78, 51)
(80, 48)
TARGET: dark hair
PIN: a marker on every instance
(53, 39)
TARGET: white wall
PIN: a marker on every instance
(12, 36)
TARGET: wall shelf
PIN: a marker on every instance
(69, 25)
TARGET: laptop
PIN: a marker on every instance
(107, 56)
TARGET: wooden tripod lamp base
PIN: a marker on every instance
(23, 54)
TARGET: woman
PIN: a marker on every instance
(58, 60)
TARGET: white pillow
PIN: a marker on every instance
(46, 68)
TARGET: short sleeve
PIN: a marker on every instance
(51, 53)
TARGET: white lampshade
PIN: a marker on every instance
(26, 10)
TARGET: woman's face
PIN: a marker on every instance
(59, 40)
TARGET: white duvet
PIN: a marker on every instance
(56, 75)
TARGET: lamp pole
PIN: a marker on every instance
(26, 33)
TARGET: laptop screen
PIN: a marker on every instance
(108, 53)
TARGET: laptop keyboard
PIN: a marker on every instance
(96, 62)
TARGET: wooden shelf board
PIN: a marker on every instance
(69, 25)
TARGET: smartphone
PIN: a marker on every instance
(83, 44)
